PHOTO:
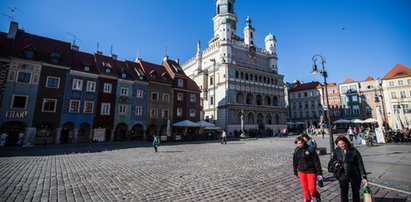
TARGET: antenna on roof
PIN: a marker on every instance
(137, 53)
(111, 50)
(12, 12)
(98, 46)
(166, 50)
(74, 38)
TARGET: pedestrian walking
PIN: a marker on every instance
(350, 133)
(307, 167)
(311, 143)
(223, 137)
(348, 167)
(155, 143)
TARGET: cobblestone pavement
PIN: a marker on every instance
(251, 170)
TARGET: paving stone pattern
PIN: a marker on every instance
(252, 170)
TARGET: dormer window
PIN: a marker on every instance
(123, 75)
(55, 57)
(165, 78)
(29, 52)
(154, 76)
(108, 70)
(86, 68)
(180, 83)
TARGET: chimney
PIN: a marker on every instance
(14, 26)
(74, 47)
(114, 56)
(165, 58)
(177, 61)
(99, 52)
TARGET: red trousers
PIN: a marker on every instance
(309, 183)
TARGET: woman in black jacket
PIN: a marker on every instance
(348, 167)
(307, 167)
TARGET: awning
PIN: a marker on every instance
(204, 124)
(186, 123)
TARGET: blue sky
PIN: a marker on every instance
(357, 37)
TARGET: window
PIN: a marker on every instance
(391, 83)
(393, 95)
(400, 82)
(91, 86)
(367, 97)
(180, 96)
(179, 111)
(354, 98)
(212, 100)
(74, 106)
(180, 83)
(305, 94)
(409, 81)
(356, 110)
(140, 93)
(166, 97)
(122, 109)
(24, 77)
(105, 108)
(396, 108)
(353, 89)
(344, 89)
(154, 96)
(192, 98)
(405, 108)
(211, 81)
(77, 84)
(154, 113)
(53, 82)
(299, 95)
(402, 94)
(49, 105)
(107, 87)
(139, 110)
(192, 112)
(88, 107)
(368, 110)
(124, 91)
(164, 113)
(19, 102)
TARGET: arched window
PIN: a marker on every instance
(264, 80)
(269, 119)
(242, 75)
(236, 74)
(240, 98)
(249, 99)
(275, 101)
(251, 77)
(260, 118)
(277, 119)
(267, 100)
(259, 79)
(246, 76)
(255, 78)
(250, 118)
(275, 81)
(259, 100)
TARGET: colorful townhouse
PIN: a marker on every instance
(159, 101)
(139, 112)
(106, 94)
(80, 98)
(351, 100)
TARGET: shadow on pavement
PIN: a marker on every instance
(389, 199)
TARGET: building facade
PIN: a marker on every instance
(239, 82)
(396, 86)
(350, 100)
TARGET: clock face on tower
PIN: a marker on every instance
(252, 52)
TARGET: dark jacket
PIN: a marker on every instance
(350, 165)
(306, 161)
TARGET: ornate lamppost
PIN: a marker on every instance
(324, 74)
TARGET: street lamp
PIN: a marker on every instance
(323, 73)
(214, 95)
(379, 97)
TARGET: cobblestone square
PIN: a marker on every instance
(249, 170)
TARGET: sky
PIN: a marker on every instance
(358, 38)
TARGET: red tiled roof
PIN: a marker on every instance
(369, 78)
(397, 72)
(349, 80)
(136, 71)
(104, 62)
(176, 71)
(43, 47)
(306, 86)
(81, 60)
(158, 69)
